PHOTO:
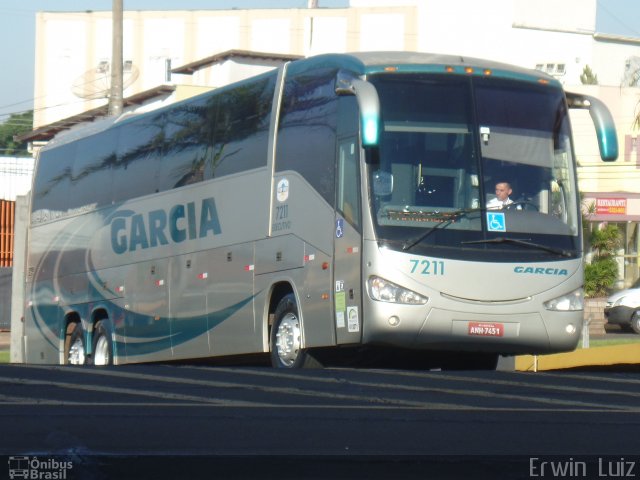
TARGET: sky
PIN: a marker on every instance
(17, 31)
(17, 34)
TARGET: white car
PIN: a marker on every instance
(623, 308)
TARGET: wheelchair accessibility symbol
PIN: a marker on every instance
(339, 228)
(496, 222)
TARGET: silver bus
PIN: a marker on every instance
(337, 201)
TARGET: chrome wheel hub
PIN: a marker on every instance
(101, 355)
(76, 353)
(288, 339)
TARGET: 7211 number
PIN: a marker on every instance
(427, 267)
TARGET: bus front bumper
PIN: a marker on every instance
(507, 334)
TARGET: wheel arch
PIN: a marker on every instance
(71, 318)
(98, 314)
(287, 343)
(277, 292)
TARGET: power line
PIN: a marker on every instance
(18, 112)
(35, 110)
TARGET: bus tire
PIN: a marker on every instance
(286, 337)
(75, 351)
(471, 361)
(102, 344)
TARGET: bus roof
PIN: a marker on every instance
(364, 63)
(360, 64)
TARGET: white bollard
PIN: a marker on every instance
(585, 332)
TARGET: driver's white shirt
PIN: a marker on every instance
(496, 203)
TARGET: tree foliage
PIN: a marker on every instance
(602, 272)
(16, 124)
(588, 77)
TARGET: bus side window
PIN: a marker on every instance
(348, 181)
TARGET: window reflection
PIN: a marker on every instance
(216, 134)
(307, 130)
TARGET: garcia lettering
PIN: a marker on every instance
(541, 270)
(161, 227)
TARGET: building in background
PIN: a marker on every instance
(191, 50)
(15, 176)
(15, 180)
(73, 50)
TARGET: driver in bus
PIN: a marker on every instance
(501, 200)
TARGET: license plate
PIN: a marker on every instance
(484, 329)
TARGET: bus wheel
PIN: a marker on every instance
(471, 361)
(102, 346)
(286, 337)
(76, 351)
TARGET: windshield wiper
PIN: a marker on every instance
(523, 243)
(447, 218)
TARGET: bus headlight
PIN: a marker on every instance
(385, 291)
(567, 303)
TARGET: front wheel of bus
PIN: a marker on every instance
(75, 351)
(471, 361)
(286, 337)
(102, 345)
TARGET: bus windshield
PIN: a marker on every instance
(449, 144)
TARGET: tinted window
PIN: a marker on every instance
(210, 136)
(188, 132)
(241, 133)
(53, 179)
(307, 132)
(447, 142)
(219, 134)
(527, 145)
(92, 170)
(348, 165)
(140, 145)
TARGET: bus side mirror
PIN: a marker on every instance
(369, 105)
(382, 183)
(602, 120)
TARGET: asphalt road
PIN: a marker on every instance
(385, 420)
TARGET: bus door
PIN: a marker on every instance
(348, 244)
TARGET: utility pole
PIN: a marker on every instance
(311, 4)
(115, 98)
